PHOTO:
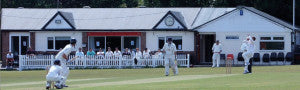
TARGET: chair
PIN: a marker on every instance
(289, 56)
(273, 56)
(229, 60)
(280, 56)
(240, 56)
(256, 57)
(222, 56)
(266, 57)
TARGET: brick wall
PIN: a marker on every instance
(197, 49)
(85, 41)
(32, 40)
(143, 40)
(5, 46)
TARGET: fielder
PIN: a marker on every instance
(216, 49)
(63, 57)
(170, 51)
(55, 75)
(248, 54)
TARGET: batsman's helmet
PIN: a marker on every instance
(73, 41)
(56, 62)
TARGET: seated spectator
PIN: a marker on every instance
(79, 54)
(126, 53)
(146, 53)
(132, 53)
(90, 52)
(138, 54)
(100, 53)
(109, 53)
(9, 59)
(117, 53)
(30, 52)
(158, 54)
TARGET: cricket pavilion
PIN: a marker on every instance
(193, 30)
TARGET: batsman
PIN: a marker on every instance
(63, 57)
(169, 50)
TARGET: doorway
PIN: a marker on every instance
(206, 44)
(113, 42)
(19, 45)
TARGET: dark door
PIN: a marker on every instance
(15, 46)
(24, 44)
(99, 42)
(209, 42)
(113, 42)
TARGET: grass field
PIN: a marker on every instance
(262, 78)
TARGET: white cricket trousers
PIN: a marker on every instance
(247, 56)
(216, 59)
(170, 61)
(65, 72)
(57, 79)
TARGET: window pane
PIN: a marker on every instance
(177, 40)
(161, 42)
(265, 38)
(271, 45)
(96, 43)
(278, 38)
(131, 42)
(61, 42)
(50, 42)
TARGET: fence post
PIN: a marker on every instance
(52, 60)
(120, 61)
(153, 62)
(84, 62)
(188, 60)
(20, 62)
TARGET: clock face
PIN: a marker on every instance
(169, 21)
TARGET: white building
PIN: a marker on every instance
(193, 29)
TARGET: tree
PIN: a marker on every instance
(131, 3)
(152, 3)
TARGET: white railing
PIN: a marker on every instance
(43, 61)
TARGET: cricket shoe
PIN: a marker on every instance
(246, 72)
(48, 87)
(58, 87)
(65, 86)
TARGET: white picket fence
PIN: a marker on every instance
(43, 61)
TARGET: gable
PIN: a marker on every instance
(58, 21)
(171, 21)
(248, 22)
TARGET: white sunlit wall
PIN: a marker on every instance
(49, 40)
(183, 39)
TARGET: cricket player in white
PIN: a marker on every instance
(249, 53)
(217, 49)
(63, 57)
(170, 52)
(55, 75)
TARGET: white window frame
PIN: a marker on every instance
(54, 42)
(122, 41)
(167, 39)
(272, 40)
(158, 41)
(19, 34)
